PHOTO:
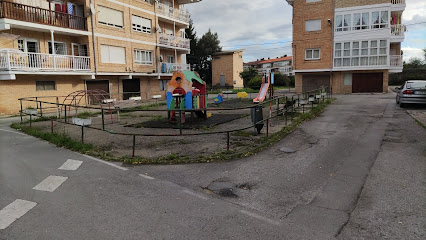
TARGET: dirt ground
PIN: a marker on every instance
(153, 122)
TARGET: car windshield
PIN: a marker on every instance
(416, 84)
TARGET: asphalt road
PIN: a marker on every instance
(357, 173)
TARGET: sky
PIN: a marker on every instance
(263, 27)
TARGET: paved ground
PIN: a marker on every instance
(357, 173)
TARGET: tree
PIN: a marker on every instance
(201, 51)
(247, 75)
(424, 52)
(255, 82)
(192, 35)
(280, 79)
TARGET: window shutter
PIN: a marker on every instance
(313, 25)
(110, 16)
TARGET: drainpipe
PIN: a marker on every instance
(93, 38)
(332, 46)
(157, 52)
(52, 40)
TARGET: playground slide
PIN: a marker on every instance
(262, 93)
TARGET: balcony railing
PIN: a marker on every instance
(396, 61)
(398, 1)
(173, 67)
(173, 41)
(32, 14)
(13, 60)
(175, 13)
(398, 30)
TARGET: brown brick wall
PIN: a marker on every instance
(352, 3)
(229, 65)
(340, 88)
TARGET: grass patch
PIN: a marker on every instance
(420, 123)
(86, 115)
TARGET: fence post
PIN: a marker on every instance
(20, 113)
(134, 146)
(51, 126)
(103, 119)
(227, 141)
(267, 127)
(180, 122)
(82, 133)
(31, 119)
(278, 106)
(65, 113)
(41, 110)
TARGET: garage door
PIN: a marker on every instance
(312, 82)
(97, 85)
(131, 88)
(367, 82)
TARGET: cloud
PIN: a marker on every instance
(410, 53)
(251, 24)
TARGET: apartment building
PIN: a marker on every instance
(350, 45)
(282, 65)
(55, 47)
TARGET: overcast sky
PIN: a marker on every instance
(267, 23)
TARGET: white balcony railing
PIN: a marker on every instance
(396, 61)
(14, 60)
(173, 41)
(398, 1)
(398, 30)
(173, 67)
(174, 13)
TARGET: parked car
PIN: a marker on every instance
(413, 91)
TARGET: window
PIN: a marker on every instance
(45, 85)
(141, 24)
(347, 79)
(110, 17)
(343, 23)
(60, 48)
(143, 57)
(170, 59)
(313, 25)
(113, 54)
(312, 54)
(163, 85)
(379, 19)
(362, 53)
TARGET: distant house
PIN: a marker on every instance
(280, 64)
(226, 69)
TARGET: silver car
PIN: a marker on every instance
(413, 91)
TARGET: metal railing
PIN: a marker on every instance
(32, 14)
(26, 61)
(398, 1)
(175, 13)
(396, 61)
(398, 29)
(173, 41)
(173, 67)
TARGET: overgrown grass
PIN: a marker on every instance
(85, 115)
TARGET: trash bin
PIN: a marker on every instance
(256, 117)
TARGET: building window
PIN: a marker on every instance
(45, 85)
(379, 19)
(364, 53)
(312, 54)
(170, 59)
(113, 54)
(361, 21)
(163, 85)
(60, 48)
(313, 25)
(141, 24)
(347, 79)
(143, 57)
(110, 17)
(343, 23)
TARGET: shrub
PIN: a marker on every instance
(280, 79)
(255, 82)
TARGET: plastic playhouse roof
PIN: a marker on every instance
(189, 75)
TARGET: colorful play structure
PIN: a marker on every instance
(186, 91)
(266, 81)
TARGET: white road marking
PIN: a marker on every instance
(14, 132)
(50, 184)
(14, 211)
(105, 162)
(146, 176)
(195, 194)
(71, 165)
(254, 215)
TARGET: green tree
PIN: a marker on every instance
(248, 74)
(255, 82)
(280, 79)
(192, 35)
(201, 51)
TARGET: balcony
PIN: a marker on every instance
(396, 61)
(398, 1)
(15, 60)
(174, 13)
(398, 30)
(173, 67)
(175, 42)
(398, 5)
(38, 15)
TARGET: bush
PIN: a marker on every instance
(280, 79)
(247, 75)
(291, 81)
(255, 82)
(407, 74)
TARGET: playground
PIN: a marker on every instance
(187, 125)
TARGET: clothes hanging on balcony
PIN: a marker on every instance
(163, 68)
